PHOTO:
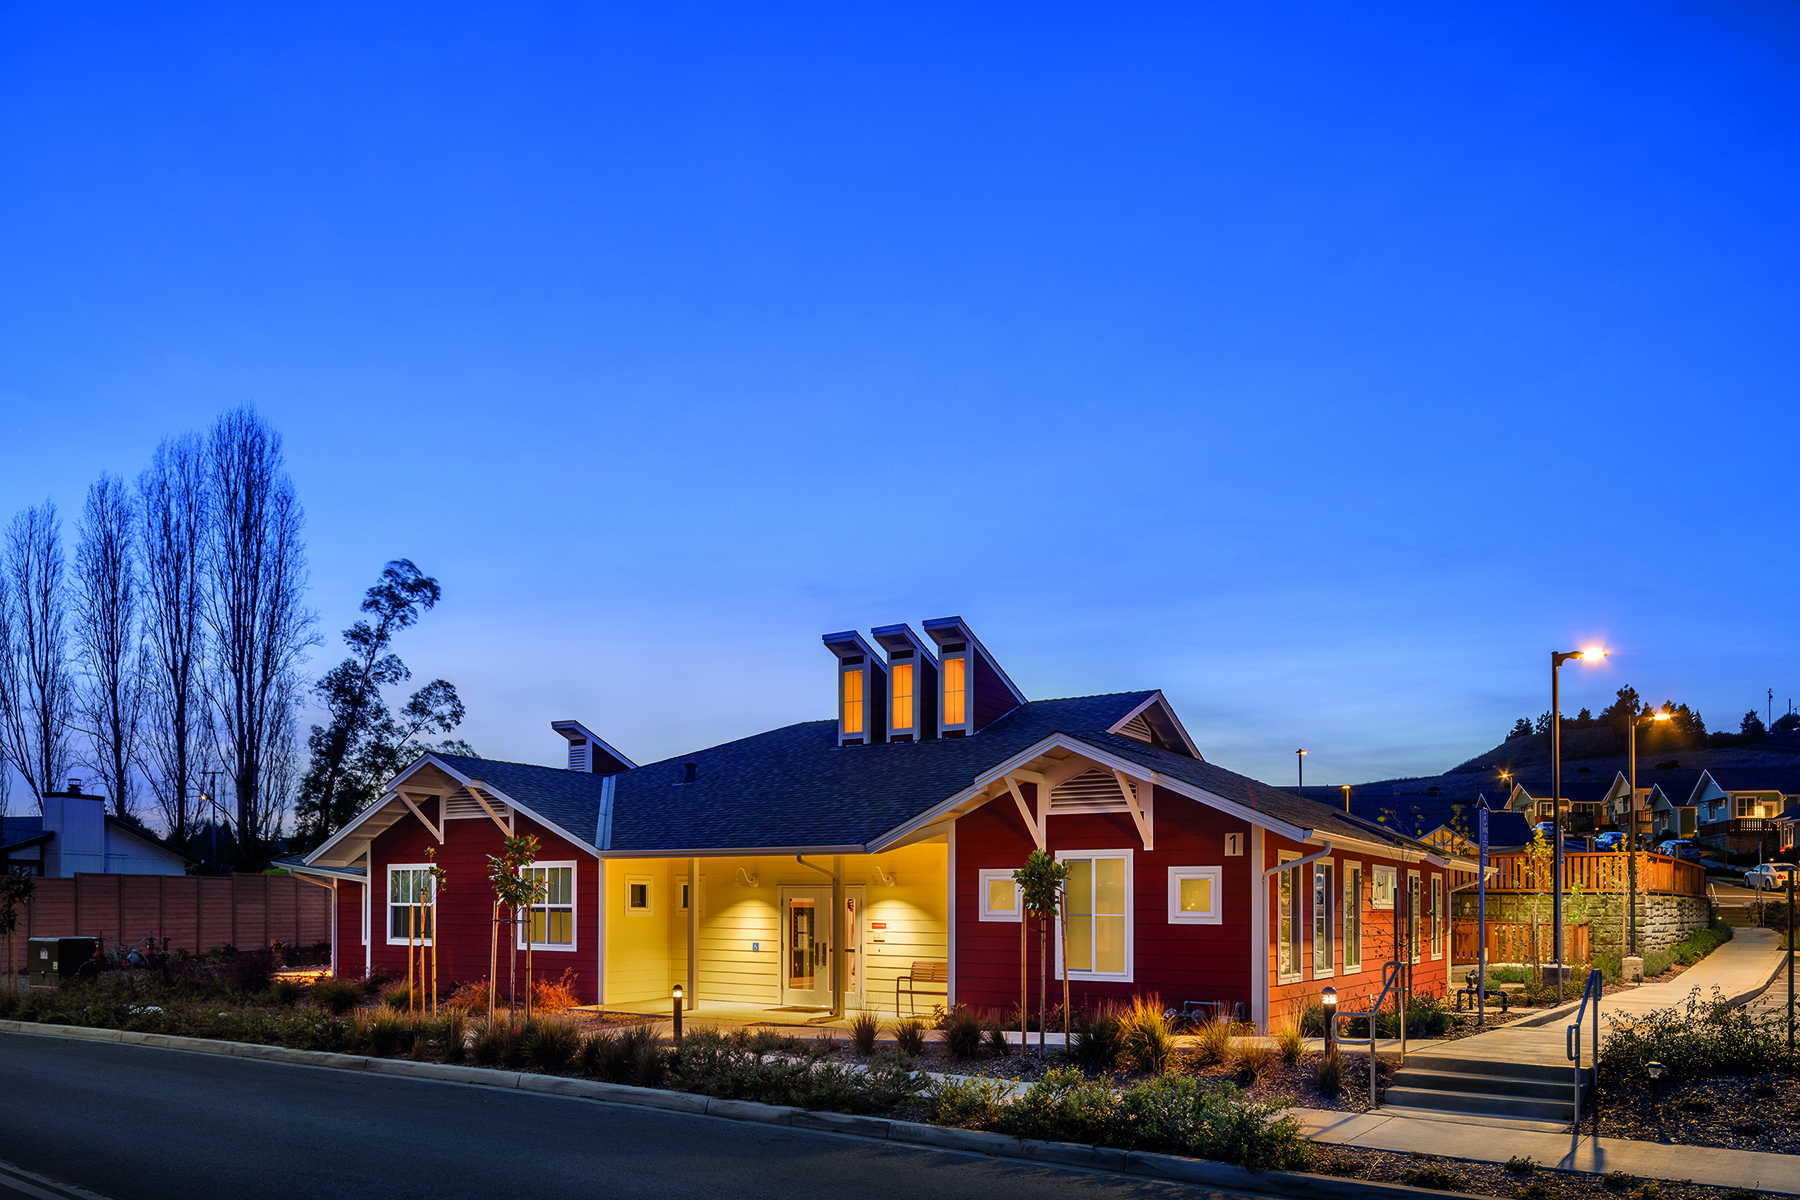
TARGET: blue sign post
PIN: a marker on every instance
(1481, 914)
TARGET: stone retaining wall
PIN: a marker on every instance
(1662, 920)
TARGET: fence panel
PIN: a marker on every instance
(1515, 941)
(1598, 872)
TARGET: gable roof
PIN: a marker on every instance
(1416, 816)
(1785, 780)
(1677, 784)
(21, 831)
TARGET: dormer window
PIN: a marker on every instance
(956, 690)
(912, 684)
(862, 689)
(972, 692)
(902, 706)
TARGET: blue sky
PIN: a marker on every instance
(1324, 367)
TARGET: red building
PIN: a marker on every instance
(840, 864)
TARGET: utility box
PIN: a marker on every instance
(51, 960)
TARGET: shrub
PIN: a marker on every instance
(1618, 1181)
(1212, 1042)
(1437, 1179)
(865, 1027)
(1308, 1016)
(1094, 1040)
(397, 996)
(555, 995)
(1426, 1016)
(1696, 1040)
(1329, 1075)
(996, 1037)
(488, 1046)
(382, 1031)
(1253, 1061)
(1521, 1164)
(452, 1035)
(1146, 1043)
(1534, 1191)
(336, 996)
(468, 997)
(248, 972)
(551, 1044)
(286, 991)
(739, 1066)
(909, 1035)
(614, 1055)
(1291, 1044)
(961, 1033)
(969, 1103)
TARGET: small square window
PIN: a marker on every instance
(1000, 898)
(1194, 895)
(637, 893)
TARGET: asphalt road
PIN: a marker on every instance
(134, 1123)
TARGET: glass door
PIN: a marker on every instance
(805, 947)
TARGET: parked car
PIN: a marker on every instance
(1548, 829)
(1768, 875)
(1678, 848)
(1611, 840)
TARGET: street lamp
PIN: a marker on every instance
(1300, 763)
(1631, 838)
(1346, 788)
(1557, 659)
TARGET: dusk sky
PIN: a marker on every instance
(1325, 367)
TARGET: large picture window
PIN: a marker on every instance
(411, 903)
(1099, 914)
(553, 919)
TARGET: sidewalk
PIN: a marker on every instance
(1492, 1143)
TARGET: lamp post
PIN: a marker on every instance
(1329, 998)
(1300, 764)
(1631, 837)
(1346, 788)
(680, 992)
(1557, 659)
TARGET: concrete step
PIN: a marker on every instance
(1450, 1064)
(1526, 1107)
(1485, 1085)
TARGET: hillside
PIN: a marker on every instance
(1587, 754)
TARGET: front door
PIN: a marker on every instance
(806, 947)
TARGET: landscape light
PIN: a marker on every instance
(1329, 997)
(1655, 1069)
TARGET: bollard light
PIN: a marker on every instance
(1655, 1070)
(680, 994)
(1329, 998)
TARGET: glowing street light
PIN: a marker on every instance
(1588, 654)
(1300, 763)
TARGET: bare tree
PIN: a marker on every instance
(172, 523)
(255, 583)
(35, 685)
(109, 700)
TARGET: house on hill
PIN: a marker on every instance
(865, 861)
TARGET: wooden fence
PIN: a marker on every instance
(1658, 874)
(1512, 941)
(196, 913)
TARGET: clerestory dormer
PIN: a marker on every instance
(912, 684)
(973, 691)
(862, 689)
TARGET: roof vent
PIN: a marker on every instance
(588, 752)
(689, 772)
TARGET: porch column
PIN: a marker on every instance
(693, 934)
(837, 935)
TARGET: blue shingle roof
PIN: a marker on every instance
(16, 830)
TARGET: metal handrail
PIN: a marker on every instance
(1572, 1036)
(1392, 975)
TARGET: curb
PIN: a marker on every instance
(938, 1137)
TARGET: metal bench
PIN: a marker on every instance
(924, 971)
(1467, 992)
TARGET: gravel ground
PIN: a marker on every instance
(1754, 1112)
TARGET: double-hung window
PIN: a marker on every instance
(1412, 916)
(1287, 922)
(411, 903)
(553, 917)
(1321, 918)
(1437, 916)
(1352, 917)
(1099, 914)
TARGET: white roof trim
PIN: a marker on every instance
(1155, 698)
(1059, 741)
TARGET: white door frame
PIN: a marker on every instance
(855, 970)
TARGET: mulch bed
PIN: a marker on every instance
(1517, 1181)
(1753, 1112)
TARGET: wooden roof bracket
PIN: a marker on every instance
(1144, 827)
(474, 787)
(1032, 824)
(437, 831)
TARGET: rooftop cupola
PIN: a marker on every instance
(862, 689)
(973, 691)
(588, 752)
(912, 684)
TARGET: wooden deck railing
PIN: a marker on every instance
(1600, 872)
(1515, 941)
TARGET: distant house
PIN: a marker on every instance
(1672, 810)
(866, 860)
(77, 834)
(1738, 807)
(1591, 803)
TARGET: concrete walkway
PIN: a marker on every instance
(1493, 1142)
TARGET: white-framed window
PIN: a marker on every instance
(1412, 914)
(1099, 907)
(1287, 922)
(1321, 917)
(1381, 888)
(553, 918)
(411, 902)
(1437, 916)
(640, 897)
(1001, 898)
(1196, 896)
(1353, 921)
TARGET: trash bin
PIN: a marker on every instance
(51, 960)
